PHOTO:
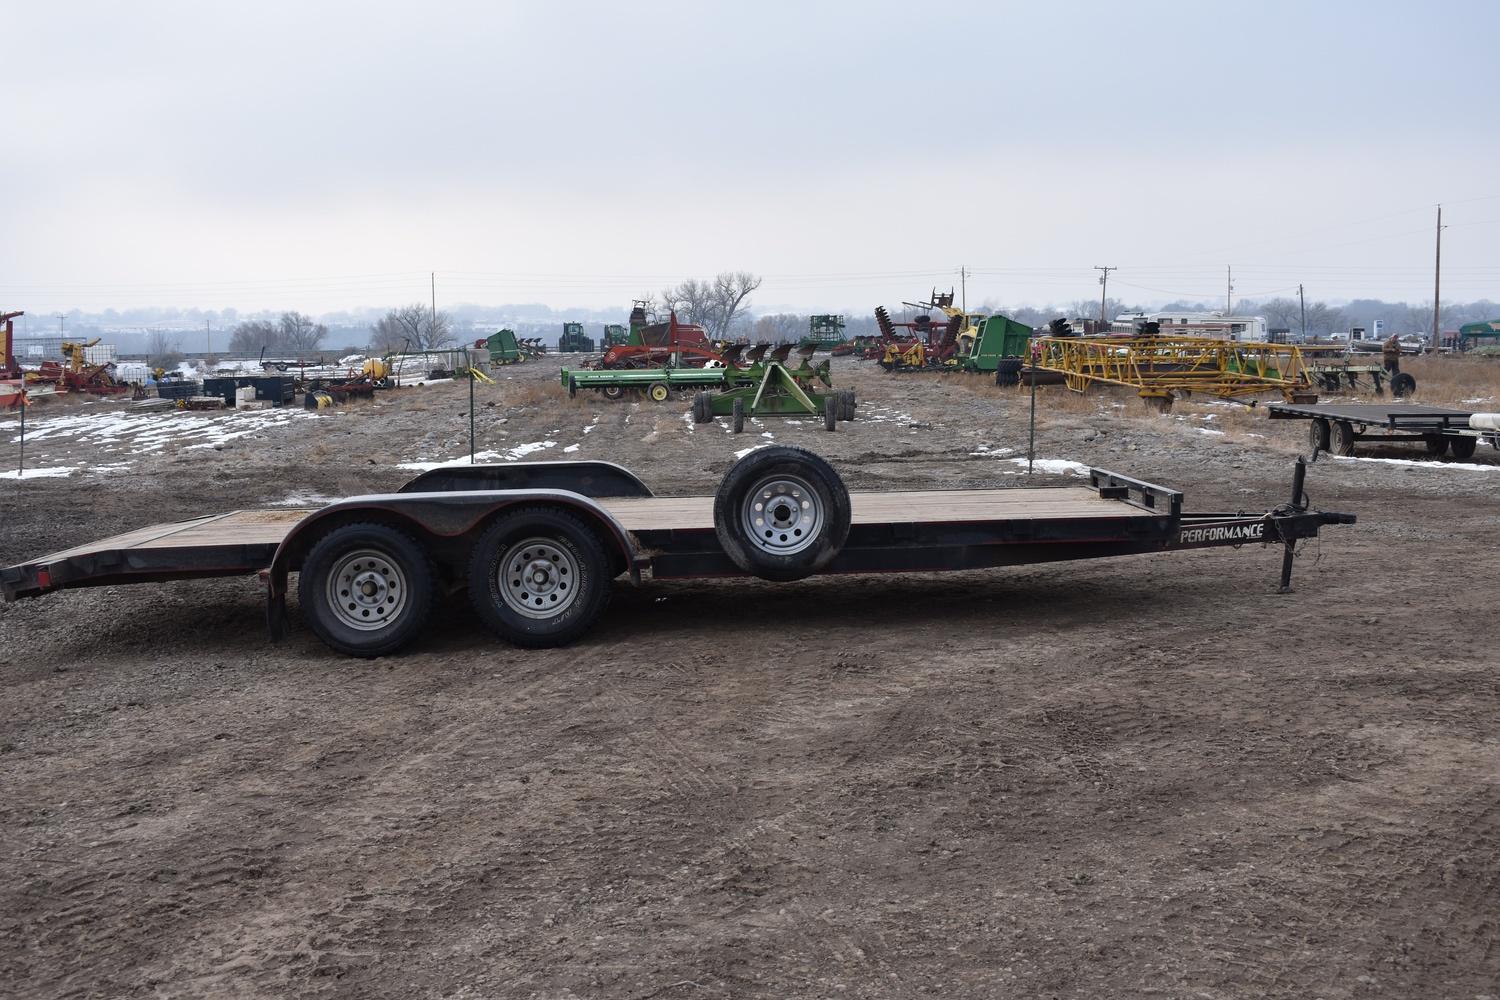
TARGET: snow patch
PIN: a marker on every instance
(1055, 466)
(519, 451)
(1409, 463)
(570, 449)
(56, 472)
(304, 500)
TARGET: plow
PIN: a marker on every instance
(1332, 370)
(759, 383)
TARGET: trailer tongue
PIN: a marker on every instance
(536, 544)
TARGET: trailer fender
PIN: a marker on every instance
(443, 515)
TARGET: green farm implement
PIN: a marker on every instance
(655, 383)
(506, 349)
(615, 334)
(998, 337)
(768, 387)
(750, 382)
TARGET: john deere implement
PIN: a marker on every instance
(768, 387)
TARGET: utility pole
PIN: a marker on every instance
(61, 319)
(1228, 294)
(434, 300)
(963, 285)
(1303, 299)
(1437, 284)
(208, 336)
(1104, 290)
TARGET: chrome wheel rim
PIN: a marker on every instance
(537, 578)
(366, 590)
(782, 515)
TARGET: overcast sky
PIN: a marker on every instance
(317, 156)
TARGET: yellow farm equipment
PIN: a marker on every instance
(1160, 368)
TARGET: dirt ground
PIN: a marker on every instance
(1143, 777)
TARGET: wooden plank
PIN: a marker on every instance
(901, 507)
(234, 528)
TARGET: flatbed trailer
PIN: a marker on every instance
(537, 544)
(1334, 427)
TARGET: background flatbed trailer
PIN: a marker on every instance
(1335, 427)
(536, 544)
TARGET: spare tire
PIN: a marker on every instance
(1403, 385)
(781, 513)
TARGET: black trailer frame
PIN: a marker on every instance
(449, 512)
(1334, 427)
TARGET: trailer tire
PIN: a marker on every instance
(1341, 440)
(737, 416)
(556, 583)
(612, 391)
(831, 406)
(847, 412)
(658, 392)
(1436, 444)
(1403, 385)
(572, 388)
(395, 582)
(781, 513)
(702, 408)
(1317, 434)
(1462, 448)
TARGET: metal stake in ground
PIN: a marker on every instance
(471, 411)
(21, 468)
(1036, 356)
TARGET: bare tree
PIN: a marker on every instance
(1284, 314)
(413, 328)
(715, 304)
(299, 334)
(254, 336)
(163, 349)
(731, 289)
(692, 300)
(778, 328)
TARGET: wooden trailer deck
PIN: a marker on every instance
(895, 507)
(243, 542)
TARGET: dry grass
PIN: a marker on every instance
(1455, 380)
(532, 394)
